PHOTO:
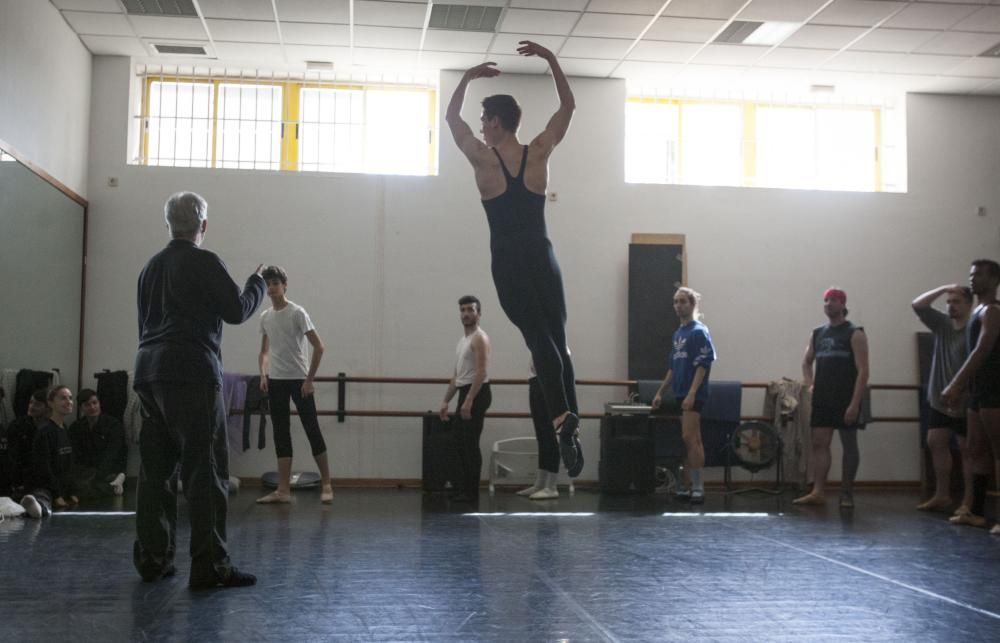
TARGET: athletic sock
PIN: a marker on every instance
(979, 484)
(696, 483)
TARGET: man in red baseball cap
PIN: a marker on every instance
(839, 349)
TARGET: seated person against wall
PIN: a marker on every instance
(99, 449)
(50, 483)
(20, 438)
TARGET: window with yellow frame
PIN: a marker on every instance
(290, 125)
(753, 144)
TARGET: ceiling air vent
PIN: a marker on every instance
(737, 31)
(992, 52)
(463, 17)
(160, 7)
(181, 50)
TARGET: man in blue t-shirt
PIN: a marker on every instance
(690, 362)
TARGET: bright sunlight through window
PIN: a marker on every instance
(739, 143)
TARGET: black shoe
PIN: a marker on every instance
(235, 578)
(149, 570)
(567, 446)
(465, 497)
(578, 467)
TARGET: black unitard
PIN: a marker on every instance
(529, 285)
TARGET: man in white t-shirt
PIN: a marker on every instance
(470, 381)
(286, 373)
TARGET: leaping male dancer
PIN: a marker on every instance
(525, 271)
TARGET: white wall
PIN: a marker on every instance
(380, 261)
(45, 90)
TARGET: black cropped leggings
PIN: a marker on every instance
(279, 392)
(529, 286)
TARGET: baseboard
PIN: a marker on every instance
(416, 483)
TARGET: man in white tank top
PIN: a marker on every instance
(470, 381)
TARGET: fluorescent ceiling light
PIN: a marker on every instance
(771, 33)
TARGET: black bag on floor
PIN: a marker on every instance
(442, 468)
(628, 462)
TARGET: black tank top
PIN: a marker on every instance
(836, 371)
(516, 217)
(988, 376)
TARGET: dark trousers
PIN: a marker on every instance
(183, 424)
(545, 434)
(529, 286)
(280, 392)
(469, 455)
(89, 485)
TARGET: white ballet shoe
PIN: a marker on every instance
(544, 494)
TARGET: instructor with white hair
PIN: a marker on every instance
(184, 295)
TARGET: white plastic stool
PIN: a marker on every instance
(516, 447)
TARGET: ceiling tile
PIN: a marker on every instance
(823, 36)
(108, 6)
(786, 81)
(959, 43)
(926, 15)
(256, 53)
(541, 22)
(989, 89)
(162, 27)
(302, 53)
(780, 10)
(243, 30)
(985, 19)
(719, 9)
(314, 33)
(796, 58)
(857, 13)
(709, 76)
(448, 60)
(663, 51)
(114, 46)
(640, 7)
(608, 25)
(507, 43)
(521, 64)
(587, 68)
(978, 67)
(729, 55)
(684, 29)
(313, 11)
(467, 41)
(892, 63)
(652, 73)
(598, 48)
(902, 40)
(237, 9)
(563, 5)
(100, 24)
(387, 37)
(389, 14)
(389, 59)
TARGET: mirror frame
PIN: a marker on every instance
(10, 150)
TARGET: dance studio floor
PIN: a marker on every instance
(395, 565)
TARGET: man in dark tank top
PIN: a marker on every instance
(980, 375)
(839, 350)
(512, 179)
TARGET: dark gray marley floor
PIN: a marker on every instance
(399, 565)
